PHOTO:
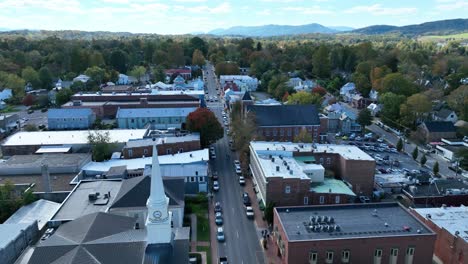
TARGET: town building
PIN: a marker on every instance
(434, 131)
(106, 105)
(5, 94)
(342, 118)
(451, 192)
(445, 114)
(186, 73)
(8, 123)
(294, 173)
(450, 147)
(358, 233)
(451, 226)
(117, 89)
(109, 238)
(126, 80)
(63, 119)
(81, 78)
(15, 239)
(38, 212)
(23, 143)
(285, 122)
(247, 82)
(167, 144)
(160, 118)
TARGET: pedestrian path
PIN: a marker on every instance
(193, 240)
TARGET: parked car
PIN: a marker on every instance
(382, 170)
(220, 234)
(238, 169)
(223, 260)
(241, 180)
(219, 218)
(218, 208)
(215, 186)
(215, 176)
(249, 212)
(246, 199)
(457, 170)
(364, 199)
(236, 163)
(352, 136)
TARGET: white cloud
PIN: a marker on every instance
(53, 5)
(448, 5)
(265, 12)
(190, 1)
(377, 9)
(219, 9)
(313, 10)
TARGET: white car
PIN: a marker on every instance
(236, 163)
(215, 186)
(238, 169)
(241, 180)
(220, 234)
(249, 212)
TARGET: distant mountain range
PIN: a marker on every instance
(277, 30)
(441, 27)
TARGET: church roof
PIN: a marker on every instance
(246, 97)
(93, 238)
(134, 192)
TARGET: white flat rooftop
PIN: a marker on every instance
(69, 137)
(452, 219)
(280, 148)
(140, 163)
(162, 140)
(295, 171)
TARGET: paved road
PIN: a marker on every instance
(409, 148)
(242, 237)
(36, 118)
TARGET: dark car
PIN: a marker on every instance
(382, 170)
(218, 207)
(246, 199)
(364, 199)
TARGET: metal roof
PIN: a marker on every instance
(154, 112)
(40, 211)
(69, 113)
(9, 232)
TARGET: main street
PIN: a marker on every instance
(242, 237)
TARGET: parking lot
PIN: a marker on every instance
(36, 118)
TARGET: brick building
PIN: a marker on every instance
(167, 144)
(450, 192)
(294, 174)
(451, 226)
(285, 122)
(360, 233)
(107, 105)
(434, 131)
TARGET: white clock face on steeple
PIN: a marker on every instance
(157, 214)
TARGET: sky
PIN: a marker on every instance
(187, 16)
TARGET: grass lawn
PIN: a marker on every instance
(199, 206)
(203, 228)
(208, 252)
(9, 109)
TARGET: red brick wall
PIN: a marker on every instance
(361, 249)
(138, 152)
(449, 249)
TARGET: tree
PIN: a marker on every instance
(198, 58)
(462, 154)
(391, 107)
(30, 127)
(399, 145)
(415, 153)
(398, 84)
(63, 96)
(29, 100)
(78, 86)
(158, 74)
(303, 137)
(458, 100)
(96, 74)
(45, 77)
(435, 169)
(138, 72)
(277, 86)
(31, 76)
(227, 68)
(376, 76)
(205, 122)
(423, 160)
(269, 212)
(416, 107)
(364, 118)
(363, 84)
(303, 98)
(101, 145)
(118, 60)
(13, 82)
(321, 62)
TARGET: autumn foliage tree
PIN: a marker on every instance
(29, 100)
(204, 122)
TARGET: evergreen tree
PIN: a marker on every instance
(415, 153)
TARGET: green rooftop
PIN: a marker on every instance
(336, 186)
(305, 160)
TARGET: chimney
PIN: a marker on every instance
(45, 178)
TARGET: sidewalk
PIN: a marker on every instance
(213, 230)
(193, 240)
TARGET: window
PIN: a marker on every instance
(275, 132)
(328, 161)
(132, 120)
(130, 153)
(287, 189)
(306, 200)
(289, 131)
(145, 151)
(322, 199)
(393, 256)
(345, 256)
(267, 132)
(193, 179)
(394, 252)
(181, 150)
(281, 131)
(409, 255)
(410, 251)
(201, 179)
(378, 253)
(313, 256)
(329, 258)
(169, 151)
(337, 199)
(196, 173)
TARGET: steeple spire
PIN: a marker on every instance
(158, 222)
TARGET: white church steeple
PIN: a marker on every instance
(158, 223)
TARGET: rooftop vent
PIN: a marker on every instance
(418, 231)
(386, 224)
(277, 168)
(291, 172)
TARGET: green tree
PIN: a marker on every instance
(158, 74)
(277, 86)
(415, 153)
(269, 212)
(364, 118)
(417, 107)
(31, 76)
(398, 84)
(198, 58)
(462, 154)
(303, 98)
(45, 77)
(13, 82)
(303, 137)
(423, 160)
(138, 72)
(205, 122)
(399, 145)
(118, 60)
(391, 107)
(435, 169)
(458, 100)
(63, 96)
(101, 145)
(30, 127)
(321, 62)
(363, 84)
(96, 74)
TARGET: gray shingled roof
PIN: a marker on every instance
(134, 192)
(285, 115)
(94, 238)
(440, 126)
(444, 113)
